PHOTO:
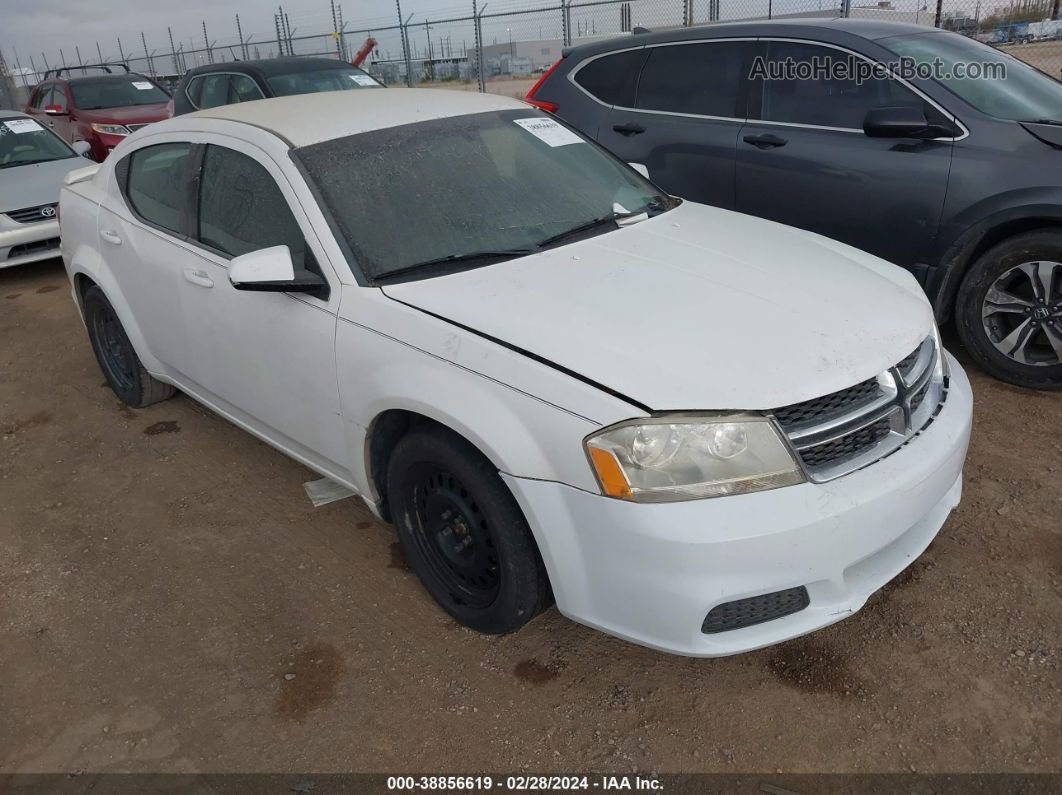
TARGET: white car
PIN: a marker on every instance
(696, 430)
(33, 162)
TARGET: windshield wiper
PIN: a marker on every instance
(471, 256)
(28, 162)
(657, 204)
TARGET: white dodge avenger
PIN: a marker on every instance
(693, 429)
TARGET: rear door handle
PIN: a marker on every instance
(111, 237)
(765, 141)
(198, 277)
(628, 129)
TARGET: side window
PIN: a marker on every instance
(241, 209)
(193, 90)
(42, 97)
(705, 79)
(612, 78)
(243, 89)
(156, 184)
(214, 91)
(57, 96)
(830, 98)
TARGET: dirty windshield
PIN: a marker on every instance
(468, 189)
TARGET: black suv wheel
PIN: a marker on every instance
(1009, 310)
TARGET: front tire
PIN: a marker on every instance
(463, 533)
(114, 352)
(1009, 310)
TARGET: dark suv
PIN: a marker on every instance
(242, 81)
(955, 179)
(100, 108)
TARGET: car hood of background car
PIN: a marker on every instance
(35, 183)
(131, 114)
(697, 308)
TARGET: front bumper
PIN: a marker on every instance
(24, 243)
(651, 573)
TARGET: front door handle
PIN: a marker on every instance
(198, 277)
(765, 141)
(111, 237)
(628, 129)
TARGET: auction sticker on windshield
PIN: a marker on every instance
(549, 131)
(143, 85)
(363, 80)
(23, 126)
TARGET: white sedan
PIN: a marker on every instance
(694, 429)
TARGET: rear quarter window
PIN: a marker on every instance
(156, 184)
(612, 78)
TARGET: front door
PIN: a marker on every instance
(807, 163)
(688, 111)
(265, 359)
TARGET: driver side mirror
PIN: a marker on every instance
(271, 270)
(902, 122)
(83, 148)
(55, 110)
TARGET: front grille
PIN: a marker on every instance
(813, 411)
(845, 430)
(845, 447)
(29, 215)
(32, 248)
(755, 610)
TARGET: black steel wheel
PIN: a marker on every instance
(1009, 310)
(463, 533)
(115, 354)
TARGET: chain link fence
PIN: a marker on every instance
(503, 45)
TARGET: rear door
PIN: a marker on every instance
(806, 162)
(689, 106)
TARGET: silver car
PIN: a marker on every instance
(33, 162)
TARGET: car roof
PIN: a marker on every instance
(97, 78)
(812, 27)
(268, 67)
(305, 119)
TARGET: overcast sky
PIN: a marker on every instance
(36, 26)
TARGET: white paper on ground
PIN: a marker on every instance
(323, 491)
(549, 131)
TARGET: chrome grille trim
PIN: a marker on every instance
(30, 215)
(853, 436)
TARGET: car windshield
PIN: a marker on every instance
(468, 188)
(24, 141)
(116, 92)
(329, 79)
(1024, 94)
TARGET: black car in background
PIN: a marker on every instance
(242, 81)
(957, 180)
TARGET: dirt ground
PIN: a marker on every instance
(170, 601)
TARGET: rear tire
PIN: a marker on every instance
(463, 533)
(1009, 310)
(114, 352)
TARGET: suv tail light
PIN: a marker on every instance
(549, 107)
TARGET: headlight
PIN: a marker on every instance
(667, 459)
(111, 129)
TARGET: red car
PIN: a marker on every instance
(101, 109)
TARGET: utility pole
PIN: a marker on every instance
(335, 29)
(79, 61)
(173, 53)
(121, 52)
(147, 55)
(276, 21)
(99, 52)
(239, 32)
(291, 35)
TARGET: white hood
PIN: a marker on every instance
(698, 308)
